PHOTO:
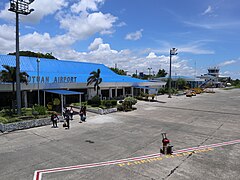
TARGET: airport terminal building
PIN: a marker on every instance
(48, 76)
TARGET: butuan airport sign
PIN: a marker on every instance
(57, 79)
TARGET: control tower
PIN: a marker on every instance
(214, 71)
(211, 78)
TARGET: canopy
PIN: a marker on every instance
(63, 92)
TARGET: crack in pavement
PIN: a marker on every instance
(136, 172)
(44, 137)
(174, 169)
(178, 166)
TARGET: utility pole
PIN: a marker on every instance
(19, 7)
(173, 52)
(38, 79)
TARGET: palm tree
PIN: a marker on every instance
(9, 75)
(95, 78)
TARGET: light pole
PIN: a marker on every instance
(149, 72)
(173, 51)
(19, 7)
(38, 79)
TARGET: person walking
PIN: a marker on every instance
(67, 118)
(82, 114)
(64, 112)
(71, 113)
(54, 119)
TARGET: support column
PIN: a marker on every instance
(110, 93)
(124, 92)
(64, 100)
(62, 103)
(100, 94)
(116, 92)
(132, 91)
(44, 98)
(80, 99)
(25, 98)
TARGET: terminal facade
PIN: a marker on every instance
(52, 74)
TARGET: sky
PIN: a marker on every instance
(133, 35)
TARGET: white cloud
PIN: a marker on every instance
(134, 36)
(215, 25)
(80, 24)
(85, 25)
(208, 10)
(7, 32)
(44, 42)
(225, 63)
(5, 14)
(95, 44)
(85, 5)
(151, 55)
(77, 27)
(7, 38)
(195, 47)
(195, 50)
(41, 9)
(121, 24)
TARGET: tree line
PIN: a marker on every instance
(33, 54)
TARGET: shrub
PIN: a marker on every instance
(3, 120)
(95, 105)
(89, 102)
(78, 104)
(128, 103)
(114, 103)
(138, 97)
(6, 112)
(162, 91)
(165, 91)
(174, 91)
(132, 100)
(102, 107)
(120, 107)
(39, 110)
(95, 101)
(108, 103)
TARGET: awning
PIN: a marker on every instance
(63, 92)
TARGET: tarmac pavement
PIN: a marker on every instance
(100, 148)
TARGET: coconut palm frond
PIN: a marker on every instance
(95, 78)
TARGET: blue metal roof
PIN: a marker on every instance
(53, 70)
(63, 92)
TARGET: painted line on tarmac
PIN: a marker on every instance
(38, 173)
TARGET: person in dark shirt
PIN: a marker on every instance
(67, 118)
(71, 113)
(82, 114)
(54, 119)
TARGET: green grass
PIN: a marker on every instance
(6, 116)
